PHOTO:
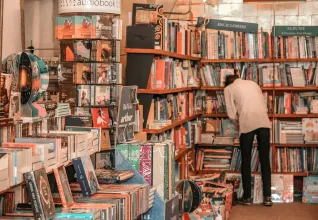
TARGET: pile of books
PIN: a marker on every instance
(288, 132)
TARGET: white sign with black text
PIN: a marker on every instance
(97, 6)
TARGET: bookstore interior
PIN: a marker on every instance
(117, 110)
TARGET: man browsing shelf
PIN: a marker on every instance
(245, 104)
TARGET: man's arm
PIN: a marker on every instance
(230, 106)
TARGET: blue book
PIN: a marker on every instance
(310, 190)
(78, 213)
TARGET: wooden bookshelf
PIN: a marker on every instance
(295, 116)
(294, 145)
(236, 60)
(220, 88)
(201, 172)
(208, 115)
(166, 91)
(6, 122)
(173, 125)
(269, 60)
(290, 88)
(161, 53)
(181, 153)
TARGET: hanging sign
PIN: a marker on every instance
(295, 31)
(96, 6)
(232, 26)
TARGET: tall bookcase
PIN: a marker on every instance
(139, 64)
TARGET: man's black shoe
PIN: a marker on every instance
(267, 201)
(243, 201)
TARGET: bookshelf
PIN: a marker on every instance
(159, 53)
(297, 174)
(166, 91)
(173, 125)
(270, 60)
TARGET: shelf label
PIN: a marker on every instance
(232, 26)
(97, 6)
(295, 31)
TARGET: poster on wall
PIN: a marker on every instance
(97, 6)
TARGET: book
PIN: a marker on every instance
(67, 51)
(83, 26)
(4, 171)
(310, 190)
(15, 105)
(5, 93)
(78, 213)
(104, 73)
(85, 95)
(82, 50)
(103, 52)
(102, 27)
(87, 177)
(65, 27)
(282, 188)
(101, 118)
(84, 73)
(112, 176)
(102, 95)
(40, 194)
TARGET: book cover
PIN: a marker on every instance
(65, 73)
(44, 190)
(67, 51)
(282, 188)
(102, 95)
(310, 190)
(65, 27)
(101, 118)
(63, 186)
(4, 171)
(103, 73)
(86, 175)
(84, 121)
(15, 105)
(104, 51)
(67, 94)
(83, 27)
(5, 93)
(298, 77)
(84, 95)
(102, 27)
(83, 73)
(79, 213)
(83, 50)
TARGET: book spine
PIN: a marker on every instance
(81, 177)
(166, 172)
(60, 188)
(34, 196)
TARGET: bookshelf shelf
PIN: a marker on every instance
(181, 153)
(295, 145)
(160, 52)
(208, 115)
(6, 122)
(270, 60)
(306, 88)
(296, 116)
(238, 172)
(166, 91)
(173, 125)
(219, 88)
(237, 61)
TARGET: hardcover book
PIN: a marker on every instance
(84, 121)
(40, 194)
(102, 27)
(86, 175)
(310, 190)
(84, 73)
(67, 51)
(282, 188)
(101, 118)
(65, 73)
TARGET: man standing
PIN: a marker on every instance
(245, 103)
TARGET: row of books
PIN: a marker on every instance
(88, 27)
(155, 162)
(46, 150)
(225, 158)
(295, 47)
(163, 111)
(90, 51)
(89, 73)
(266, 75)
(235, 45)
(168, 74)
(296, 160)
(89, 95)
(87, 197)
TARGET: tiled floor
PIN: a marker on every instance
(293, 211)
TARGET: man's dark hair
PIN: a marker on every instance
(230, 79)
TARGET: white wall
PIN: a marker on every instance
(11, 28)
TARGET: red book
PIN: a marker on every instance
(160, 74)
(101, 118)
(179, 42)
(146, 163)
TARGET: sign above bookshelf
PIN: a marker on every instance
(295, 31)
(232, 26)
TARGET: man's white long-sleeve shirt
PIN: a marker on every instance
(244, 102)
